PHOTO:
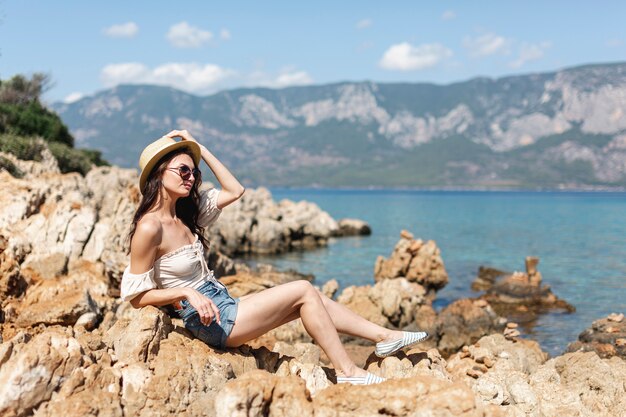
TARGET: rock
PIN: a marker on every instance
(138, 339)
(487, 276)
(64, 299)
(497, 371)
(414, 260)
(32, 375)
(390, 302)
(87, 321)
(581, 384)
(616, 317)
(352, 227)
(416, 396)
(256, 224)
(330, 288)
(519, 295)
(463, 323)
(89, 391)
(266, 276)
(186, 378)
(602, 337)
(259, 393)
(303, 352)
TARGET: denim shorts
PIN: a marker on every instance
(214, 334)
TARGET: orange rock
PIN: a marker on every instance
(511, 325)
(481, 303)
(405, 234)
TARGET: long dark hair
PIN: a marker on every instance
(187, 208)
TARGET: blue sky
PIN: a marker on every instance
(206, 46)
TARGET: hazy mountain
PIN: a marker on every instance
(566, 128)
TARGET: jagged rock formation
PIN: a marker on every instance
(606, 337)
(518, 295)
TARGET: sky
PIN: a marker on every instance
(203, 47)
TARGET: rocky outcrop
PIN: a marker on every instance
(516, 376)
(256, 224)
(464, 322)
(415, 260)
(519, 295)
(245, 281)
(352, 227)
(606, 337)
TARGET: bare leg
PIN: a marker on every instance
(348, 322)
(273, 307)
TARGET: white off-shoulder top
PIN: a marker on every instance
(183, 267)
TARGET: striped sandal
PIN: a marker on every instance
(384, 349)
(368, 379)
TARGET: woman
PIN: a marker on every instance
(167, 266)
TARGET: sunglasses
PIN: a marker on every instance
(185, 172)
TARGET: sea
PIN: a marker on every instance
(580, 238)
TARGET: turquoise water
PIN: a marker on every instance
(579, 237)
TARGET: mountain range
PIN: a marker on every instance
(563, 129)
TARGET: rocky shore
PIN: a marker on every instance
(71, 347)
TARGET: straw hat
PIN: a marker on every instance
(157, 149)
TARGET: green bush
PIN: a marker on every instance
(27, 149)
(10, 167)
(23, 118)
(33, 119)
(70, 159)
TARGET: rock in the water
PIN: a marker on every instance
(519, 296)
(352, 227)
(605, 337)
(415, 260)
(463, 323)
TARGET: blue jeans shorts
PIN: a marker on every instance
(214, 334)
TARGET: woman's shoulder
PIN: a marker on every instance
(149, 229)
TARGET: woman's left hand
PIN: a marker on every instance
(183, 134)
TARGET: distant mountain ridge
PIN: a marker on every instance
(559, 129)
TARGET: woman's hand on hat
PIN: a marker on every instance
(205, 307)
(183, 134)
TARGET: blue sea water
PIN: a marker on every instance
(580, 238)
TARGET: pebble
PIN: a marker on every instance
(405, 234)
(511, 325)
(489, 362)
(620, 342)
(616, 317)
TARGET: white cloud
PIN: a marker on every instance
(124, 30)
(614, 43)
(364, 23)
(448, 15)
(530, 52)
(183, 35)
(191, 77)
(487, 44)
(406, 57)
(288, 76)
(225, 34)
(72, 97)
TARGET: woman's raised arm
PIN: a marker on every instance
(232, 190)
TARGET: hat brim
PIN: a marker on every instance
(193, 147)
